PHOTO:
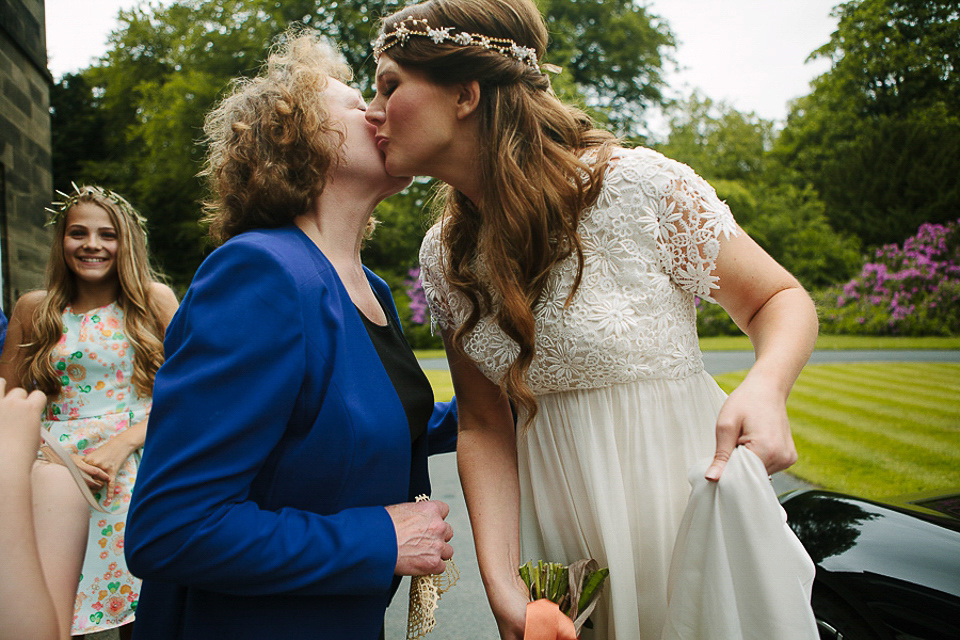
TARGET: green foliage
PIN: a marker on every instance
(77, 129)
(718, 141)
(789, 223)
(713, 321)
(133, 122)
(730, 150)
(879, 137)
(417, 330)
(613, 52)
(891, 57)
(403, 219)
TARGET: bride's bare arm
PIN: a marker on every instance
(777, 314)
(487, 460)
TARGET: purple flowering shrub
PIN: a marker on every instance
(419, 312)
(417, 324)
(911, 290)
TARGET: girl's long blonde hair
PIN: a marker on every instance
(535, 183)
(142, 325)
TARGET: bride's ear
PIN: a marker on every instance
(468, 98)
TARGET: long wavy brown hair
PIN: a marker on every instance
(500, 251)
(142, 325)
(272, 139)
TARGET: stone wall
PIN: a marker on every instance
(26, 182)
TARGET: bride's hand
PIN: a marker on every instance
(755, 415)
(510, 610)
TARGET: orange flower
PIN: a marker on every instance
(76, 371)
(116, 605)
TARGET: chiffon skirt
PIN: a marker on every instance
(604, 475)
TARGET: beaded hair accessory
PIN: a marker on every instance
(58, 209)
(411, 27)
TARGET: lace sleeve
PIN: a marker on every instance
(435, 287)
(689, 219)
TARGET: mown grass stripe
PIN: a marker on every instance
(895, 380)
(827, 466)
(877, 406)
(904, 378)
(875, 429)
(874, 406)
(907, 437)
(899, 379)
(879, 461)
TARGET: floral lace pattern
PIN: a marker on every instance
(650, 245)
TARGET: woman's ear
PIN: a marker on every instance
(468, 98)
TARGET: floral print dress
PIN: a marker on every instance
(98, 401)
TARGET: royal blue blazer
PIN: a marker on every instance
(275, 441)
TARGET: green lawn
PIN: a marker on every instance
(875, 429)
(441, 383)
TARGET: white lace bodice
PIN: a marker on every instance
(650, 245)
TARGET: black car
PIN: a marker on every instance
(885, 571)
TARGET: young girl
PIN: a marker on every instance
(92, 342)
(563, 274)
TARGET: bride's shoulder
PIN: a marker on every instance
(431, 248)
(431, 239)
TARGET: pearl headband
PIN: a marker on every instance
(403, 32)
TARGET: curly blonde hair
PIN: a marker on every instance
(142, 318)
(536, 185)
(272, 140)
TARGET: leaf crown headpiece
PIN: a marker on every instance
(58, 209)
(414, 27)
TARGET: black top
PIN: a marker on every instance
(409, 380)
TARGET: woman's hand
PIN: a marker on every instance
(104, 463)
(509, 607)
(107, 459)
(422, 537)
(93, 476)
(755, 415)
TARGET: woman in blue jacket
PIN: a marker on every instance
(291, 423)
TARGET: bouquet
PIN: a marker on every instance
(574, 589)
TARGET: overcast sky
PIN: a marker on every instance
(748, 53)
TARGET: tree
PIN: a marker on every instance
(77, 129)
(133, 122)
(879, 136)
(613, 53)
(730, 149)
(717, 140)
